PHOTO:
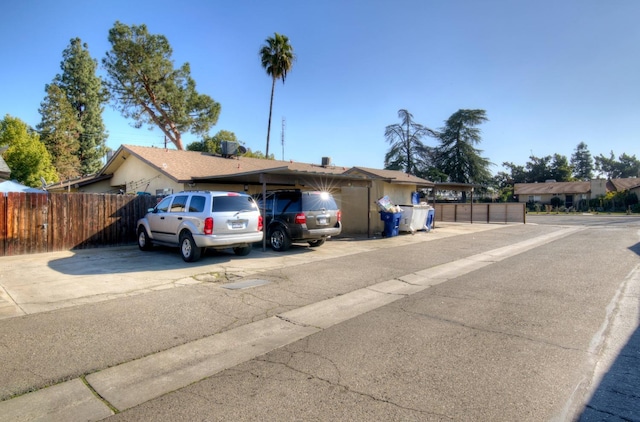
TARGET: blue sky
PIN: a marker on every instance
(550, 74)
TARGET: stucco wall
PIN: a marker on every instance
(353, 202)
(137, 176)
(398, 194)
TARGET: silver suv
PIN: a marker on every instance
(299, 216)
(196, 220)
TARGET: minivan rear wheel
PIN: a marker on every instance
(279, 239)
(242, 250)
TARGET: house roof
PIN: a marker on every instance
(550, 188)
(184, 166)
(392, 176)
(193, 166)
(623, 184)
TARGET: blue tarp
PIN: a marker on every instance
(13, 186)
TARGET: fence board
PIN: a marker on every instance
(510, 212)
(34, 223)
(3, 224)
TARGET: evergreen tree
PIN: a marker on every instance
(407, 152)
(625, 166)
(85, 92)
(60, 132)
(539, 169)
(146, 87)
(560, 169)
(26, 156)
(456, 155)
(582, 162)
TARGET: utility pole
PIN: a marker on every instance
(283, 125)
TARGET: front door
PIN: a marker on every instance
(568, 201)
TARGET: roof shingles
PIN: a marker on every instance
(183, 166)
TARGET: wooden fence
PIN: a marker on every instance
(509, 212)
(47, 222)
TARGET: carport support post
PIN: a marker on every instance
(263, 179)
(471, 206)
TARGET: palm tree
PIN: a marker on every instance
(407, 152)
(277, 59)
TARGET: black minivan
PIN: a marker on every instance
(299, 216)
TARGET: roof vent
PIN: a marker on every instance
(326, 161)
(550, 181)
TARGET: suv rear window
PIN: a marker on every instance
(318, 200)
(287, 202)
(232, 203)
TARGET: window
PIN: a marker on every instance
(197, 203)
(318, 201)
(163, 206)
(179, 203)
(288, 203)
(233, 203)
(534, 198)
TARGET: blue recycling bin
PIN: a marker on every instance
(431, 218)
(391, 223)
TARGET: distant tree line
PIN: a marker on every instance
(455, 157)
(581, 167)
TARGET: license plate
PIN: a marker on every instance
(322, 220)
(237, 225)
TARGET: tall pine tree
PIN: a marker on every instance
(457, 156)
(582, 162)
(86, 94)
(60, 132)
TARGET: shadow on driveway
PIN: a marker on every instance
(130, 259)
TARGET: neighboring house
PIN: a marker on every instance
(571, 193)
(5, 171)
(160, 171)
(619, 185)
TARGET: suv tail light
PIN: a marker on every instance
(208, 225)
(300, 218)
(260, 223)
(339, 215)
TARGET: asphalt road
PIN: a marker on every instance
(525, 322)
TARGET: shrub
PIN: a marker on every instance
(556, 201)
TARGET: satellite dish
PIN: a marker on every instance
(241, 150)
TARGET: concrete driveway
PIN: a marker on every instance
(43, 282)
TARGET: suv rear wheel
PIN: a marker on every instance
(279, 239)
(316, 242)
(188, 249)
